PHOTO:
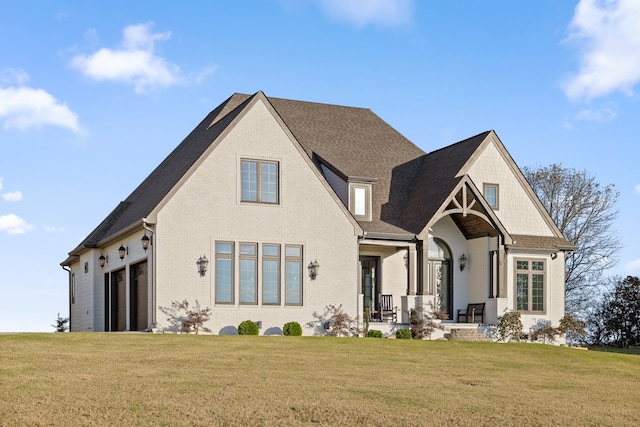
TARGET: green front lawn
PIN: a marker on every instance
(145, 379)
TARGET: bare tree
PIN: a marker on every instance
(584, 211)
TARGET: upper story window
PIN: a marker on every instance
(360, 201)
(491, 195)
(530, 287)
(259, 181)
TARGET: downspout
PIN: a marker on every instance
(153, 272)
(69, 288)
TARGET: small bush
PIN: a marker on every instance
(186, 318)
(510, 326)
(62, 324)
(403, 334)
(292, 329)
(573, 328)
(424, 322)
(340, 324)
(248, 327)
(374, 333)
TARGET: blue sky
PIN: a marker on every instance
(94, 94)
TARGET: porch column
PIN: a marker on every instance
(424, 284)
(412, 266)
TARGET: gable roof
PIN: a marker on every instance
(409, 188)
(163, 178)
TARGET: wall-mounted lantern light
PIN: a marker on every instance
(463, 262)
(122, 251)
(202, 262)
(145, 242)
(102, 261)
(313, 269)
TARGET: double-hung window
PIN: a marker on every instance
(293, 275)
(224, 273)
(530, 287)
(259, 181)
(248, 273)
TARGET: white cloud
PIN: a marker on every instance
(16, 76)
(15, 196)
(638, 189)
(601, 115)
(52, 229)
(633, 265)
(608, 32)
(134, 62)
(24, 107)
(1, 178)
(387, 13)
(13, 224)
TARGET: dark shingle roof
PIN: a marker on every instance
(360, 144)
(410, 185)
(541, 242)
(436, 181)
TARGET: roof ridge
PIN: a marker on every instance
(316, 103)
(487, 132)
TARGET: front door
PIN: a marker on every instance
(370, 282)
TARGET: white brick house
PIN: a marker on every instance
(265, 187)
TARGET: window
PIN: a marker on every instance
(530, 285)
(491, 195)
(260, 271)
(248, 273)
(360, 201)
(259, 181)
(293, 275)
(271, 274)
(224, 273)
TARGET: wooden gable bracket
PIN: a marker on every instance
(464, 206)
(470, 213)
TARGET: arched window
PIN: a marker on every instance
(438, 249)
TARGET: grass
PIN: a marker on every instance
(145, 379)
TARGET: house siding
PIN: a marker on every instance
(516, 210)
(207, 208)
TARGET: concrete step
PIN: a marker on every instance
(466, 334)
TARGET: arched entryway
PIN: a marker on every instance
(440, 275)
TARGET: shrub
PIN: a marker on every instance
(248, 327)
(510, 326)
(403, 334)
(340, 324)
(573, 327)
(62, 324)
(423, 322)
(543, 330)
(292, 329)
(188, 318)
(374, 333)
